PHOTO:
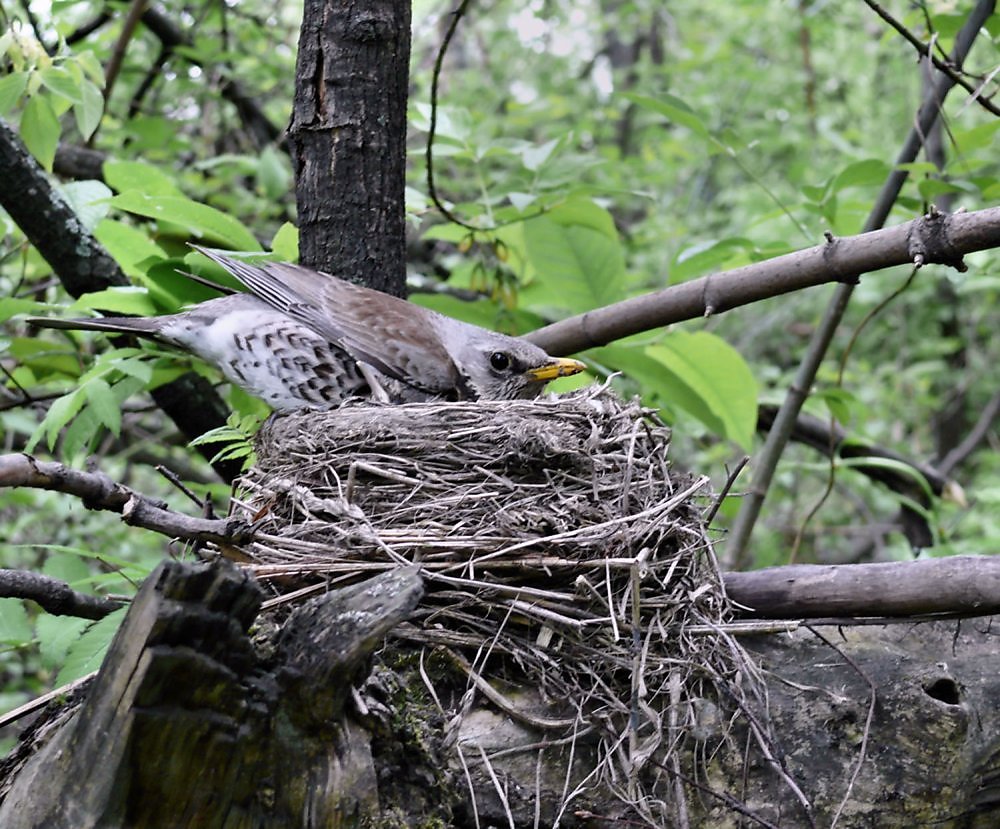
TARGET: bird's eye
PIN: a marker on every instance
(499, 361)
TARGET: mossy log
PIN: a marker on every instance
(190, 723)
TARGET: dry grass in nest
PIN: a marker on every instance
(554, 537)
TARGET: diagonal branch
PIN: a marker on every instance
(941, 239)
(778, 438)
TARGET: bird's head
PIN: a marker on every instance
(504, 368)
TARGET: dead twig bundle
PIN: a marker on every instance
(561, 553)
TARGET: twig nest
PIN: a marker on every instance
(477, 487)
(559, 549)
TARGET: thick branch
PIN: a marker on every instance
(955, 585)
(54, 596)
(98, 491)
(943, 239)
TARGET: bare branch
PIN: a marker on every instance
(54, 596)
(945, 67)
(958, 584)
(941, 239)
(99, 492)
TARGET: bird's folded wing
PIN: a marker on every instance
(396, 337)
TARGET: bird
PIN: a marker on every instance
(305, 339)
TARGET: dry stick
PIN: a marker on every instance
(837, 260)
(784, 423)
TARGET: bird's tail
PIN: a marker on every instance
(140, 326)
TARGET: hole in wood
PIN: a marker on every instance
(944, 690)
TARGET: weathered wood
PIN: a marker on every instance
(931, 753)
(954, 585)
(184, 727)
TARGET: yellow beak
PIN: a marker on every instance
(559, 367)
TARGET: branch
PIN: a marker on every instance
(99, 492)
(940, 239)
(956, 585)
(805, 376)
(83, 265)
(945, 67)
(54, 596)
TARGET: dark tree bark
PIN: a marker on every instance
(348, 139)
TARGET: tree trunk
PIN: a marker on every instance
(348, 140)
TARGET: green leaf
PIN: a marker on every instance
(128, 245)
(12, 87)
(40, 130)
(976, 138)
(104, 405)
(91, 66)
(15, 629)
(80, 433)
(869, 173)
(533, 157)
(89, 111)
(55, 635)
(65, 566)
(62, 82)
(125, 176)
(708, 255)
(447, 232)
(718, 375)
(10, 306)
(274, 174)
(659, 382)
(285, 243)
(58, 415)
(89, 200)
(673, 109)
(200, 220)
(87, 652)
(578, 259)
(125, 299)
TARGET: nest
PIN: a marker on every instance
(557, 545)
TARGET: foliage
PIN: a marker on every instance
(594, 151)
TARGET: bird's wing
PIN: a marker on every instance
(396, 337)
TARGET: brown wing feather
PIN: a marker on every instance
(396, 337)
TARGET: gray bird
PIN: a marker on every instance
(303, 339)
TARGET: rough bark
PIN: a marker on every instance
(347, 139)
(887, 726)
